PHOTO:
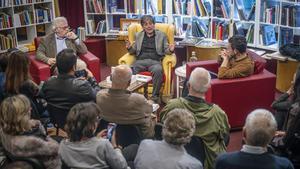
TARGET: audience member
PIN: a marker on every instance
(65, 90)
(3, 65)
(83, 149)
(258, 131)
(236, 62)
(23, 137)
(149, 47)
(211, 121)
(120, 106)
(286, 101)
(61, 38)
(179, 127)
(18, 79)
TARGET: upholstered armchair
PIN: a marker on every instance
(41, 71)
(238, 97)
(168, 62)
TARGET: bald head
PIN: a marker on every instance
(199, 81)
(121, 77)
(260, 127)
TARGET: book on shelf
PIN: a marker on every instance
(250, 34)
(286, 36)
(22, 2)
(207, 7)
(239, 7)
(182, 7)
(152, 7)
(23, 18)
(290, 15)
(199, 28)
(112, 6)
(251, 13)
(95, 6)
(5, 3)
(43, 14)
(270, 12)
(268, 35)
(220, 30)
(5, 20)
(7, 42)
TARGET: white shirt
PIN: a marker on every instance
(61, 43)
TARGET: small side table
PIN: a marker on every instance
(180, 73)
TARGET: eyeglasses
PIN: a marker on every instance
(64, 27)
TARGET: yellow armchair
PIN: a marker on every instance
(168, 62)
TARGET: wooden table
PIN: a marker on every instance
(133, 87)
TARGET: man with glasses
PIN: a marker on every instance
(61, 38)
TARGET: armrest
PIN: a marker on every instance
(93, 64)
(169, 59)
(39, 71)
(210, 65)
(127, 59)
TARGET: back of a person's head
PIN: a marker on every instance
(238, 42)
(179, 127)
(199, 80)
(121, 75)
(81, 121)
(66, 60)
(3, 61)
(15, 114)
(260, 127)
(17, 70)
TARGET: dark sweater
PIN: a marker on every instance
(243, 160)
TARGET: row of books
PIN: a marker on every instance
(199, 28)
(92, 28)
(43, 15)
(5, 20)
(182, 7)
(95, 6)
(5, 3)
(220, 30)
(271, 15)
(244, 10)
(22, 2)
(222, 8)
(23, 18)
(202, 7)
(7, 42)
(153, 7)
(246, 30)
(291, 16)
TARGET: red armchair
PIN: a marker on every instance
(41, 71)
(238, 97)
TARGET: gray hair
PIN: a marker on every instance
(121, 74)
(200, 80)
(179, 127)
(56, 21)
(260, 127)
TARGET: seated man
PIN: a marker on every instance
(211, 121)
(65, 90)
(258, 131)
(150, 47)
(120, 106)
(61, 38)
(235, 60)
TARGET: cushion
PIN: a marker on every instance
(259, 62)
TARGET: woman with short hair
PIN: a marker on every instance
(83, 149)
(23, 137)
(179, 127)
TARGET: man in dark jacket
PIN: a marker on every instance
(65, 90)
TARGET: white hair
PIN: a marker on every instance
(80, 65)
(260, 127)
(200, 80)
(56, 21)
(121, 74)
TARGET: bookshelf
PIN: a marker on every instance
(266, 24)
(23, 20)
(102, 17)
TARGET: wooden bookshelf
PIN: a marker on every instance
(22, 21)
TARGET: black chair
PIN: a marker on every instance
(57, 117)
(127, 134)
(35, 163)
(196, 148)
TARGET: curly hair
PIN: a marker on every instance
(179, 127)
(15, 115)
(81, 121)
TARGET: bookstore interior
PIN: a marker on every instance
(201, 27)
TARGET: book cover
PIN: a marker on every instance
(286, 36)
(207, 6)
(269, 36)
(239, 6)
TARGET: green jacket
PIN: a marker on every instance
(211, 125)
